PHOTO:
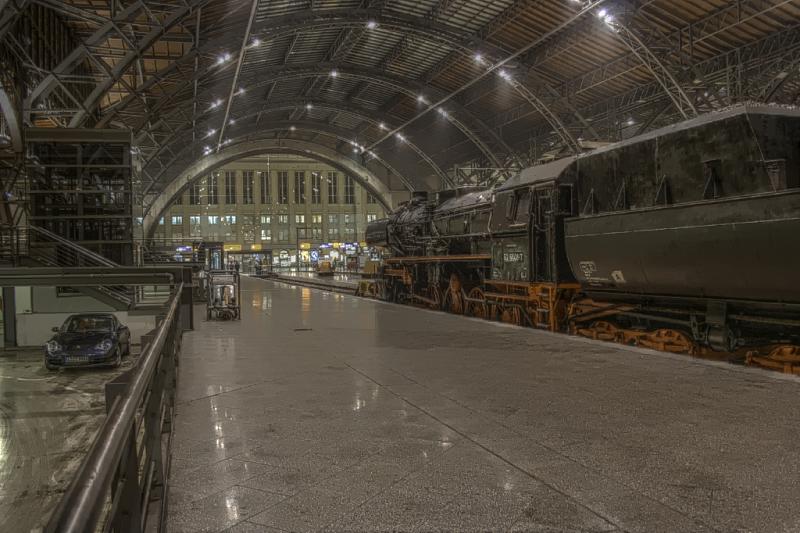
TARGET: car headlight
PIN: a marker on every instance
(53, 347)
(104, 345)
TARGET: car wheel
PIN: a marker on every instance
(48, 366)
(118, 359)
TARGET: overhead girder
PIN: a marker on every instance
(307, 126)
(411, 88)
(327, 130)
(309, 20)
(658, 69)
(127, 15)
(360, 113)
(360, 173)
(10, 11)
(8, 112)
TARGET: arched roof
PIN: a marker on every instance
(433, 92)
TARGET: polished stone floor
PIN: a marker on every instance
(321, 411)
(46, 420)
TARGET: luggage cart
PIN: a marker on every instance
(224, 295)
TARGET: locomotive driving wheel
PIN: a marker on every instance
(511, 315)
(455, 295)
(436, 297)
(476, 306)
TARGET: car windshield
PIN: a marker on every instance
(82, 324)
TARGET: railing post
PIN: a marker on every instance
(127, 517)
(125, 487)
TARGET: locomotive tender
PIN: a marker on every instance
(684, 239)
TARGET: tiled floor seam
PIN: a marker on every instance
(467, 437)
(545, 446)
(409, 475)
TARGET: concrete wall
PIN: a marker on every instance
(39, 309)
(34, 329)
(45, 300)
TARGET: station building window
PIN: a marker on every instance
(333, 185)
(195, 191)
(283, 187)
(349, 190)
(316, 219)
(213, 219)
(266, 219)
(333, 220)
(230, 187)
(315, 188)
(371, 199)
(299, 219)
(283, 219)
(372, 217)
(266, 194)
(283, 235)
(229, 219)
(247, 186)
(266, 234)
(333, 233)
(177, 220)
(161, 221)
(299, 187)
(213, 190)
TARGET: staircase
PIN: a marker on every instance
(45, 248)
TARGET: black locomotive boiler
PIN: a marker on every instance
(684, 239)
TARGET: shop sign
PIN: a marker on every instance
(305, 245)
(314, 256)
(232, 247)
(183, 249)
(255, 247)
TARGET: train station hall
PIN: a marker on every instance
(395, 266)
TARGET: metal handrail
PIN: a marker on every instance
(107, 469)
(78, 250)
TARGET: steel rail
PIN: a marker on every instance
(80, 508)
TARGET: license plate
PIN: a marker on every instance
(77, 359)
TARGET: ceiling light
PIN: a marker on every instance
(334, 73)
(421, 99)
(256, 42)
(241, 90)
(309, 106)
(211, 132)
(602, 13)
(355, 150)
(400, 136)
(382, 126)
(479, 58)
(292, 128)
(631, 122)
(372, 24)
(232, 121)
(608, 19)
(504, 74)
(442, 112)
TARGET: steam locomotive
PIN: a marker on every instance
(684, 239)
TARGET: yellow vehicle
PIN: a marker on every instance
(324, 268)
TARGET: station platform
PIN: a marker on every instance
(321, 411)
(347, 283)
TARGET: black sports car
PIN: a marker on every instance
(96, 339)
